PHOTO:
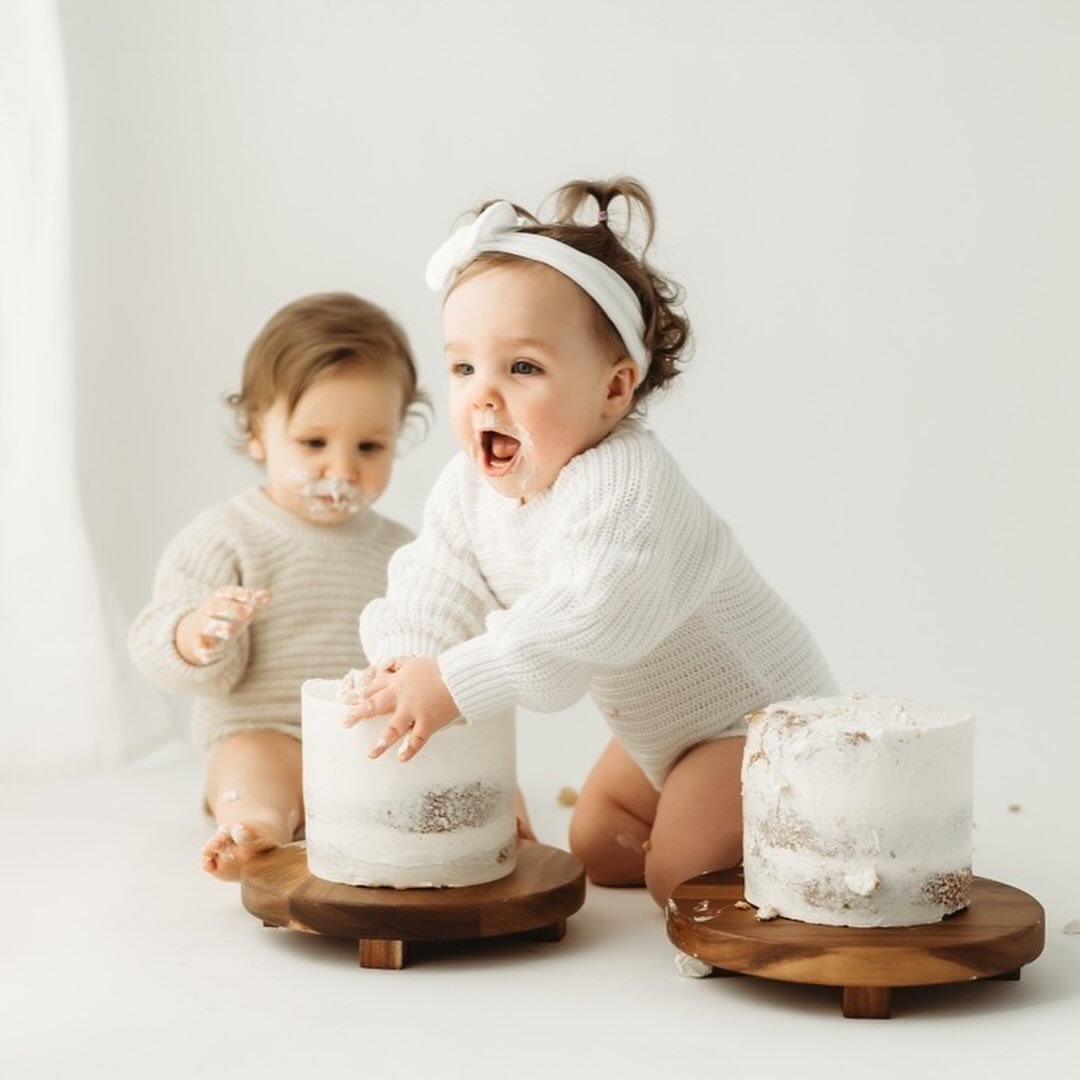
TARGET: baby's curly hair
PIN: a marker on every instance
(667, 330)
(314, 336)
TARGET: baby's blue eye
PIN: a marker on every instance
(524, 367)
(462, 369)
(314, 444)
(370, 447)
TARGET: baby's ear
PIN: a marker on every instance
(620, 386)
(255, 449)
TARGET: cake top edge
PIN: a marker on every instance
(865, 711)
(322, 689)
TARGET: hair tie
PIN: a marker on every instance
(497, 229)
(601, 218)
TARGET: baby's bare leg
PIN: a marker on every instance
(254, 789)
(698, 823)
(612, 819)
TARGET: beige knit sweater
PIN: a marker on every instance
(319, 577)
(618, 581)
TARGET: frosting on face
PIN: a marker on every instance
(328, 494)
(530, 375)
(504, 451)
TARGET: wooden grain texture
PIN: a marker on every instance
(546, 887)
(1002, 929)
(866, 1002)
(388, 955)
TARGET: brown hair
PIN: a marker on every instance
(315, 335)
(667, 331)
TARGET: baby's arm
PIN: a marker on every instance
(623, 567)
(176, 641)
(625, 564)
(436, 595)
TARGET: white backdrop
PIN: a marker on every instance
(70, 701)
(872, 208)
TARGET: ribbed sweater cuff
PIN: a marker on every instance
(476, 679)
(397, 646)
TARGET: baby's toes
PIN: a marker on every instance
(219, 856)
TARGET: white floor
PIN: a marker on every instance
(118, 958)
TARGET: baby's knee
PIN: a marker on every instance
(587, 844)
(669, 865)
(609, 858)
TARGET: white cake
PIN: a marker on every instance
(857, 811)
(444, 818)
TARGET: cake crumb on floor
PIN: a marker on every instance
(691, 966)
(567, 796)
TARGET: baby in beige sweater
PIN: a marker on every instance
(263, 591)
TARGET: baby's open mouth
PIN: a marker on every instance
(499, 451)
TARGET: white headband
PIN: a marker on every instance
(498, 229)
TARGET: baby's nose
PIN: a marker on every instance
(341, 466)
(486, 396)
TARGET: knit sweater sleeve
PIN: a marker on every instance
(633, 553)
(436, 595)
(200, 559)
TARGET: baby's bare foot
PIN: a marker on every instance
(227, 852)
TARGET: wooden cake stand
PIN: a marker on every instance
(546, 887)
(1000, 931)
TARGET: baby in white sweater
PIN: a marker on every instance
(262, 591)
(564, 553)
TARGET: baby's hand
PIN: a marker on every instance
(412, 693)
(355, 681)
(205, 633)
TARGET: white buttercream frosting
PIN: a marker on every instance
(691, 966)
(857, 811)
(445, 818)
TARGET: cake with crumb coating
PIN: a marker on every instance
(857, 811)
(445, 818)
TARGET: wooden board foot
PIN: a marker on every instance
(555, 931)
(1008, 976)
(380, 953)
(866, 1002)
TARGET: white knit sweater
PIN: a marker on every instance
(319, 577)
(618, 581)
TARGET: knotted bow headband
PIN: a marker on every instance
(499, 229)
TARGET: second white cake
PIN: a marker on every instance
(446, 818)
(857, 811)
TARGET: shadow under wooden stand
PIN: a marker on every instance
(1001, 930)
(546, 887)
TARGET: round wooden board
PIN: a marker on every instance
(547, 886)
(1001, 930)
